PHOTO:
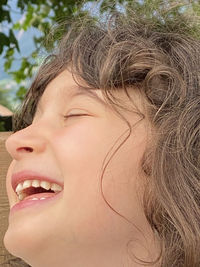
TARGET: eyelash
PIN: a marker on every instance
(75, 115)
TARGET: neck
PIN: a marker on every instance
(106, 256)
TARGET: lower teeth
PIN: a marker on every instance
(35, 198)
(22, 196)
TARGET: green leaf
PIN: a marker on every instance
(4, 15)
(17, 26)
(21, 4)
(3, 2)
(13, 40)
(4, 41)
(34, 54)
(9, 52)
(36, 22)
(29, 17)
(8, 64)
(18, 75)
(21, 92)
(8, 58)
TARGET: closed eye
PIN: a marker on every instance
(75, 115)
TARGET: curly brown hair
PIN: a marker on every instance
(162, 60)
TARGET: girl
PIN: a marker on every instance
(106, 167)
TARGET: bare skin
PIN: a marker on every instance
(80, 229)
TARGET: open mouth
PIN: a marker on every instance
(36, 189)
(36, 193)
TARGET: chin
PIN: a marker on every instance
(23, 243)
(18, 245)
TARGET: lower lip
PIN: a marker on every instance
(28, 203)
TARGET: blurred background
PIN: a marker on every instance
(25, 24)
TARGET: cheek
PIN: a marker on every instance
(123, 182)
(82, 147)
(80, 152)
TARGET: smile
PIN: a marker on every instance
(34, 187)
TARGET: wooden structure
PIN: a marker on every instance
(6, 259)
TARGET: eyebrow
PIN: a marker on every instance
(80, 91)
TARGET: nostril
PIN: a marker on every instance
(29, 149)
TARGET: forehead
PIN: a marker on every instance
(64, 88)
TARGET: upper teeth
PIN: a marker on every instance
(36, 183)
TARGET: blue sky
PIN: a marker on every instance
(25, 39)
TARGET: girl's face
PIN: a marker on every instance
(78, 228)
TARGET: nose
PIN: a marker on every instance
(26, 141)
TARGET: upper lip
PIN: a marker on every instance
(30, 175)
